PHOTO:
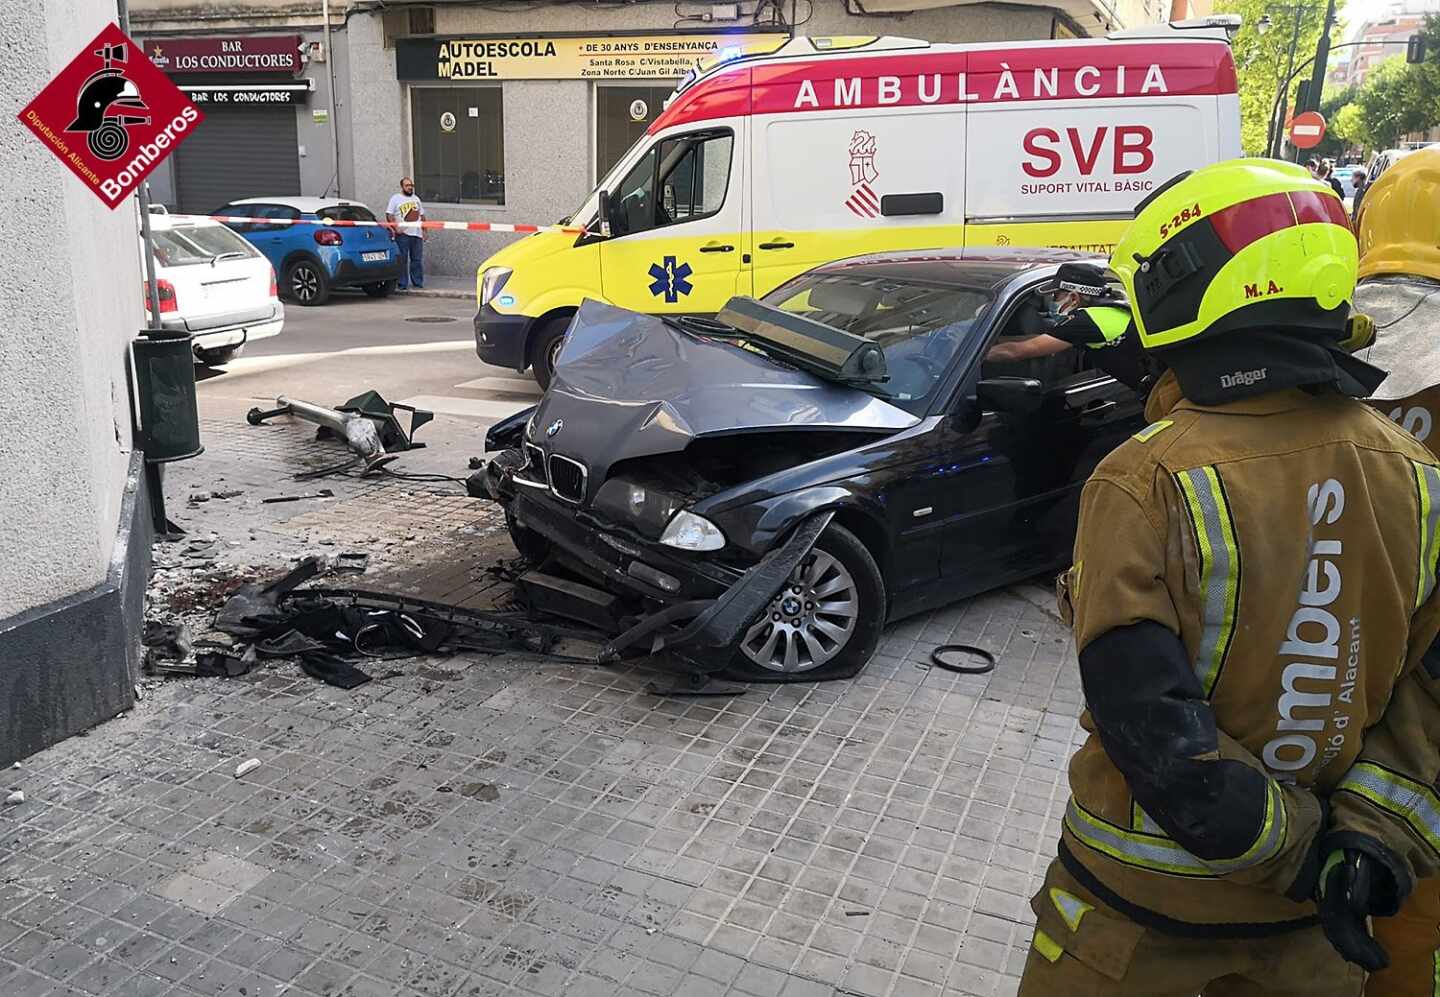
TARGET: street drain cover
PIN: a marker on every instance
(430, 318)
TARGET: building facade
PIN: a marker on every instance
(75, 534)
(504, 115)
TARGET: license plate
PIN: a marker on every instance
(374, 257)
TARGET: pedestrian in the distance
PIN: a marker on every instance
(1358, 178)
(1327, 174)
(1254, 606)
(405, 213)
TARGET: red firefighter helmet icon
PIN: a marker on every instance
(103, 107)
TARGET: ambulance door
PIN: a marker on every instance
(831, 184)
(677, 224)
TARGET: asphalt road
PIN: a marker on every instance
(412, 349)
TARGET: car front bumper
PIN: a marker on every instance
(500, 340)
(703, 609)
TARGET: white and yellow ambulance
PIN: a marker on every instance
(769, 165)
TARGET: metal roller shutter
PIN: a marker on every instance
(237, 152)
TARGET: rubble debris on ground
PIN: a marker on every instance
(321, 494)
(246, 767)
(330, 632)
(15, 798)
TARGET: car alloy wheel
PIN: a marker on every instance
(809, 622)
(304, 283)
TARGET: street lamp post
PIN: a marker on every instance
(1282, 97)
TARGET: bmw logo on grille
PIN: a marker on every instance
(554, 428)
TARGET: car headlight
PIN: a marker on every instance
(491, 281)
(688, 531)
(645, 508)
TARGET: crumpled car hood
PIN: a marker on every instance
(628, 385)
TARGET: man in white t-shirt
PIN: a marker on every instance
(406, 213)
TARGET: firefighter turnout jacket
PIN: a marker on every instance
(1252, 596)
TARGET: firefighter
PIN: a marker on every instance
(1090, 315)
(1253, 582)
(1400, 289)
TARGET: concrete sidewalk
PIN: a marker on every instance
(506, 825)
(440, 286)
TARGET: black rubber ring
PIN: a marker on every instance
(979, 652)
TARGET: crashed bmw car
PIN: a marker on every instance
(760, 492)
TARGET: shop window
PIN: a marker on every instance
(622, 113)
(679, 180)
(458, 137)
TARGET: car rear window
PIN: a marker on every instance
(183, 245)
(346, 213)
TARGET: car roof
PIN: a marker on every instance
(307, 204)
(988, 266)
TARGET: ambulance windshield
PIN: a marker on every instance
(919, 324)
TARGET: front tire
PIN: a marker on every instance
(548, 341)
(307, 283)
(824, 624)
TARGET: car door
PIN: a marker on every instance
(677, 232)
(1017, 475)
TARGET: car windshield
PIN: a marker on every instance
(919, 324)
(184, 245)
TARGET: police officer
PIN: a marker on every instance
(1253, 582)
(1091, 315)
(1400, 289)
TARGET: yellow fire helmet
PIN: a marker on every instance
(1400, 219)
(1247, 243)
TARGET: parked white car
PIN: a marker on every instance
(214, 285)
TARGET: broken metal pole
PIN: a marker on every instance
(359, 433)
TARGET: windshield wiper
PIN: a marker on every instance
(234, 254)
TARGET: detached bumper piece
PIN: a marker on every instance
(705, 645)
(705, 609)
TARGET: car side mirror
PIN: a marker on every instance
(1017, 395)
(605, 227)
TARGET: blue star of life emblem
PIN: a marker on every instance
(670, 279)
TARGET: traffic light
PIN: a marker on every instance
(1415, 50)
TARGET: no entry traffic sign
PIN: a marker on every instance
(1307, 129)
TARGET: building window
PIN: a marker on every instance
(621, 116)
(458, 136)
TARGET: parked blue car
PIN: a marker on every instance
(313, 259)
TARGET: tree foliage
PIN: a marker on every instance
(1262, 58)
(1392, 102)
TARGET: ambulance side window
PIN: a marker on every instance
(681, 179)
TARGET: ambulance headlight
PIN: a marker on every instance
(491, 281)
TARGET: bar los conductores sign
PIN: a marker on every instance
(245, 54)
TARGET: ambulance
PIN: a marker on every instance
(767, 166)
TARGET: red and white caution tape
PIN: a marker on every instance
(447, 226)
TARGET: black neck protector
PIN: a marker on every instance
(1249, 362)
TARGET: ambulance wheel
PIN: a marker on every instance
(824, 624)
(546, 349)
(307, 282)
